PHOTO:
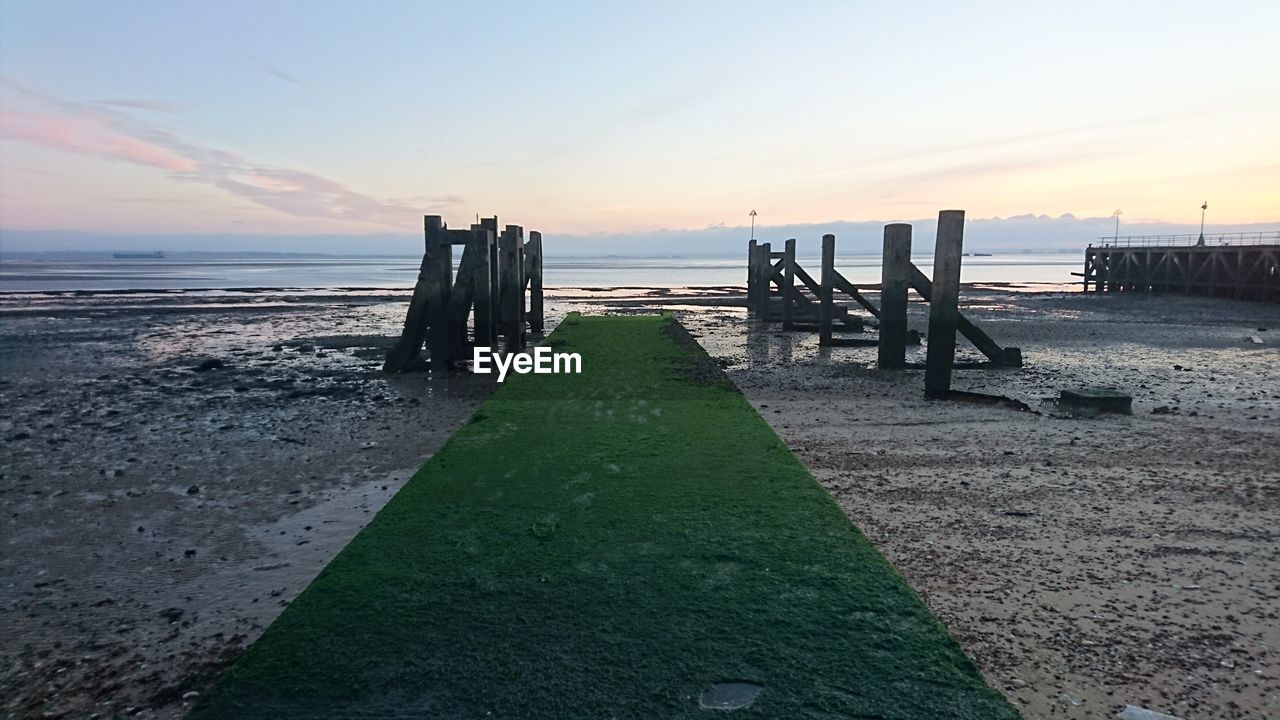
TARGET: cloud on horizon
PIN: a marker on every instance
(1034, 233)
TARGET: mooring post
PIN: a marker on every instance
(895, 273)
(511, 287)
(751, 277)
(486, 306)
(764, 289)
(521, 305)
(826, 285)
(535, 281)
(944, 311)
(788, 283)
(439, 260)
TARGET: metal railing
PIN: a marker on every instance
(1262, 237)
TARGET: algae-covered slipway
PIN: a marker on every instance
(608, 545)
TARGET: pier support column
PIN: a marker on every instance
(439, 261)
(895, 273)
(944, 311)
(752, 273)
(535, 282)
(826, 286)
(788, 284)
(511, 284)
(765, 281)
(486, 307)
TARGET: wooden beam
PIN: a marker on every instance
(852, 291)
(788, 283)
(1009, 357)
(408, 349)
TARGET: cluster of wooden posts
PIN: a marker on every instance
(780, 290)
(494, 299)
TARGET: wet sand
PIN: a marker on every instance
(158, 517)
(1085, 563)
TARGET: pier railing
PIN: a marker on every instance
(1265, 237)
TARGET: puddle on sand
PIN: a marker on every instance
(729, 696)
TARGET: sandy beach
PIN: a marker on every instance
(178, 467)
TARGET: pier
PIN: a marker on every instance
(1244, 266)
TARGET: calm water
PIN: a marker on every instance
(339, 272)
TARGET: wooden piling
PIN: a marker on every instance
(826, 285)
(788, 283)
(534, 262)
(439, 259)
(895, 273)
(486, 311)
(751, 277)
(765, 281)
(511, 287)
(944, 311)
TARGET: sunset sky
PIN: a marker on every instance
(599, 117)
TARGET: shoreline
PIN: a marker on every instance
(299, 438)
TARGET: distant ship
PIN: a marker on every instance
(157, 255)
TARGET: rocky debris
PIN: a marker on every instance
(210, 364)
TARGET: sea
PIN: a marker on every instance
(1019, 270)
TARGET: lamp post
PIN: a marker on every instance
(1203, 207)
(1116, 215)
(753, 224)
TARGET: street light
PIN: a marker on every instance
(1203, 207)
(753, 224)
(1116, 215)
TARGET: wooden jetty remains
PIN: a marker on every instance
(779, 289)
(1244, 266)
(772, 292)
(493, 300)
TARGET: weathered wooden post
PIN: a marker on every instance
(826, 285)
(486, 291)
(788, 283)
(759, 279)
(511, 287)
(522, 307)
(439, 259)
(495, 280)
(751, 277)
(944, 311)
(895, 274)
(534, 261)
(763, 289)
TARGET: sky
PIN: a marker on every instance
(276, 122)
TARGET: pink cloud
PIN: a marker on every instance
(88, 135)
(89, 129)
